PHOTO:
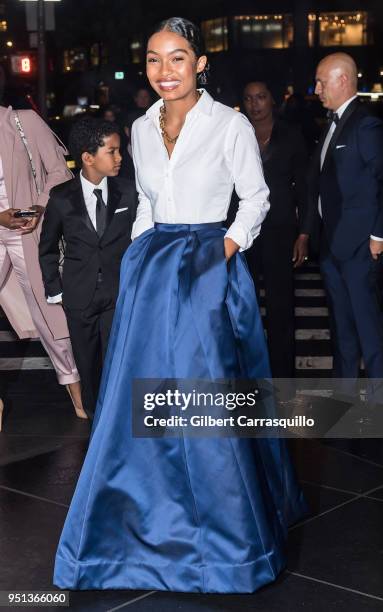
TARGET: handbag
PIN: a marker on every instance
(23, 137)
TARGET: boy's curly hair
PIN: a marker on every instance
(87, 135)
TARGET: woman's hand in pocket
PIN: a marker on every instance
(231, 248)
(376, 248)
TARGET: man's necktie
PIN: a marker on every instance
(100, 212)
(332, 117)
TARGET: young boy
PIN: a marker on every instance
(94, 213)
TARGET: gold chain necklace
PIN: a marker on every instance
(163, 121)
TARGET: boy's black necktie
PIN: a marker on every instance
(100, 212)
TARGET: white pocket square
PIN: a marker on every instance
(340, 146)
(120, 209)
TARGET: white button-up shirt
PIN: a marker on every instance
(215, 151)
(90, 198)
(331, 131)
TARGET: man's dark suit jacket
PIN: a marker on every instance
(350, 183)
(85, 253)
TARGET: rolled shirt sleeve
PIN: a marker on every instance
(144, 216)
(244, 160)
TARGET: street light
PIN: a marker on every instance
(42, 61)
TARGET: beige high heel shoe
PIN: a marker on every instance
(1, 413)
(77, 404)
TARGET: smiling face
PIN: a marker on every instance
(258, 102)
(172, 66)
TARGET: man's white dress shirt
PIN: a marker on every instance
(90, 203)
(215, 151)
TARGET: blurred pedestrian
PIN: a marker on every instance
(283, 241)
(296, 112)
(111, 113)
(143, 99)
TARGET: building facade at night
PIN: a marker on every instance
(273, 40)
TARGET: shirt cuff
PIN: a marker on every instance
(55, 299)
(140, 226)
(237, 233)
(376, 238)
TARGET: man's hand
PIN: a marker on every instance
(376, 248)
(300, 250)
(29, 226)
(231, 248)
(8, 219)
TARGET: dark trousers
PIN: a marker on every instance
(89, 331)
(271, 256)
(353, 293)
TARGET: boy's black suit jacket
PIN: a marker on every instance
(85, 253)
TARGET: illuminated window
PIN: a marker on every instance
(215, 35)
(75, 60)
(263, 31)
(3, 26)
(339, 29)
(135, 49)
(95, 55)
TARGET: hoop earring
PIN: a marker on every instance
(202, 78)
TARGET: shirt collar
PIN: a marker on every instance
(204, 105)
(343, 107)
(88, 187)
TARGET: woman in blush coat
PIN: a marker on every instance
(25, 184)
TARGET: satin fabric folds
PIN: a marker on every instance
(180, 514)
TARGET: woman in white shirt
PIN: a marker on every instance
(156, 508)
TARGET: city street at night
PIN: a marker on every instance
(191, 228)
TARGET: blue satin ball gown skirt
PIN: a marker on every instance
(181, 514)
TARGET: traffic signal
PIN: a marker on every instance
(23, 64)
(26, 65)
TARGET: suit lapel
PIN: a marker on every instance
(78, 202)
(338, 130)
(315, 162)
(114, 197)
